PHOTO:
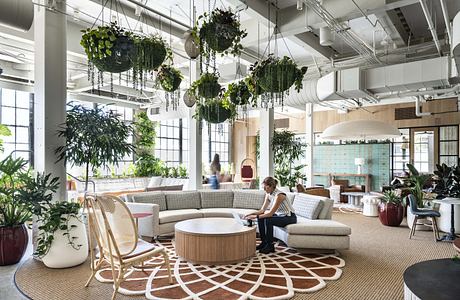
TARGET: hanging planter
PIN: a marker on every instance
(215, 111)
(238, 93)
(275, 75)
(220, 31)
(206, 87)
(151, 52)
(169, 78)
(109, 48)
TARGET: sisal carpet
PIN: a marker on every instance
(375, 263)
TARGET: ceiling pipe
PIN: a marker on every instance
(418, 108)
(431, 27)
(17, 14)
(445, 14)
(418, 93)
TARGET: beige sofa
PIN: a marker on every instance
(170, 207)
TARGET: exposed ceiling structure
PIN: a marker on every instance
(325, 35)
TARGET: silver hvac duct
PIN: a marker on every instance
(17, 14)
(307, 94)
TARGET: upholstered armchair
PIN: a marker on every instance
(339, 186)
(314, 190)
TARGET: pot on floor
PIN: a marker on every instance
(13, 244)
(391, 214)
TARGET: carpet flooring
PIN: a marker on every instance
(375, 263)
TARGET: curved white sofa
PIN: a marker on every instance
(170, 207)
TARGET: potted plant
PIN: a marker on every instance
(238, 93)
(206, 87)
(21, 196)
(275, 75)
(447, 179)
(94, 138)
(169, 78)
(391, 210)
(215, 111)
(151, 52)
(416, 183)
(4, 131)
(110, 48)
(62, 239)
(220, 30)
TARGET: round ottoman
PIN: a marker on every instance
(370, 203)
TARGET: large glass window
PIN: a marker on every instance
(216, 140)
(448, 145)
(167, 146)
(15, 112)
(424, 151)
(401, 152)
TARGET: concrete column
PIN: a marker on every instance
(50, 90)
(266, 137)
(195, 139)
(309, 137)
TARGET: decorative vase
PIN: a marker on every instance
(391, 214)
(61, 254)
(13, 244)
(190, 46)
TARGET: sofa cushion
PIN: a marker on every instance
(326, 212)
(165, 188)
(177, 215)
(216, 198)
(307, 207)
(248, 199)
(183, 200)
(225, 212)
(149, 197)
(317, 227)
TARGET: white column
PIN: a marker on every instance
(50, 90)
(309, 137)
(266, 137)
(195, 139)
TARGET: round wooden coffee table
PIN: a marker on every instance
(214, 241)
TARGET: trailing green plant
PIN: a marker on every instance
(144, 132)
(391, 197)
(110, 48)
(215, 111)
(94, 138)
(275, 75)
(219, 31)
(151, 52)
(417, 181)
(287, 148)
(169, 78)
(206, 87)
(21, 193)
(4, 131)
(57, 217)
(238, 93)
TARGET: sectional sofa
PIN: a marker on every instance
(314, 229)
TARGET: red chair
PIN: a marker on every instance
(247, 170)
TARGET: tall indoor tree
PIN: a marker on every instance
(95, 137)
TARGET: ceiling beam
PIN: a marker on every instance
(310, 42)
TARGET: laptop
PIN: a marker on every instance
(237, 217)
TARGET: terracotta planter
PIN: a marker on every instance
(13, 244)
(391, 214)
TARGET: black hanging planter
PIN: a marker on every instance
(122, 58)
(238, 93)
(150, 53)
(169, 78)
(208, 87)
(214, 112)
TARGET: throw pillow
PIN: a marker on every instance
(248, 199)
(307, 207)
(150, 197)
(183, 200)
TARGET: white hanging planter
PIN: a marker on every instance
(61, 253)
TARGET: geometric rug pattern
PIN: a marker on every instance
(265, 276)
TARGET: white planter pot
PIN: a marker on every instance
(444, 220)
(410, 221)
(61, 254)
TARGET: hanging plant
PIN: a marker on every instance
(238, 93)
(206, 87)
(169, 78)
(215, 111)
(109, 48)
(275, 75)
(220, 31)
(151, 52)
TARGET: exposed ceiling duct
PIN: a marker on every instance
(17, 14)
(431, 26)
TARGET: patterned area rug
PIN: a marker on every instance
(347, 208)
(274, 276)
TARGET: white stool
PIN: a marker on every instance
(370, 205)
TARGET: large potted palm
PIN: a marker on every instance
(95, 138)
(21, 196)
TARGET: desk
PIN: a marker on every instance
(452, 201)
(367, 178)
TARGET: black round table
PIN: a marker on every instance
(433, 279)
